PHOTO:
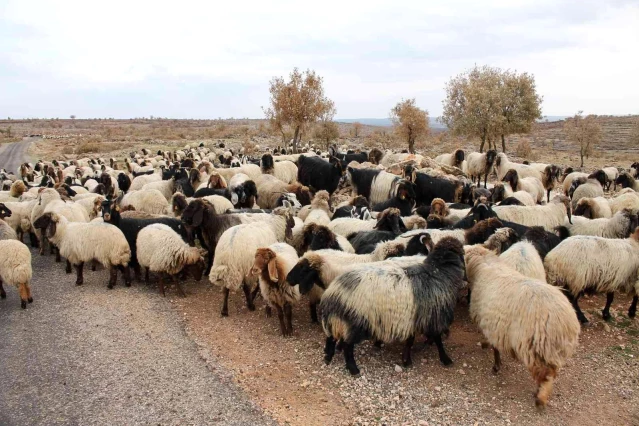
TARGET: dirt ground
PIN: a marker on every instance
(288, 379)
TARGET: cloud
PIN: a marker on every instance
(207, 59)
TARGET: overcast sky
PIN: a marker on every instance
(208, 59)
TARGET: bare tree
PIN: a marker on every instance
(410, 122)
(296, 103)
(357, 129)
(585, 133)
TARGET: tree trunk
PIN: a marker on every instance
(503, 143)
(411, 145)
(483, 141)
(581, 154)
(297, 134)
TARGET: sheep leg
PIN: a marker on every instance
(24, 295)
(34, 240)
(288, 312)
(94, 265)
(254, 293)
(633, 307)
(126, 275)
(20, 235)
(606, 310)
(249, 299)
(485, 180)
(406, 359)
(137, 272)
(545, 382)
(225, 304)
(497, 364)
(468, 297)
(80, 273)
(349, 358)
(58, 259)
(548, 196)
(209, 263)
(180, 289)
(329, 350)
(443, 357)
(146, 275)
(280, 315)
(313, 308)
(575, 304)
(68, 270)
(378, 344)
(29, 296)
(268, 311)
(3, 294)
(161, 284)
(113, 277)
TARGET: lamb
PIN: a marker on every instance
(17, 189)
(593, 187)
(531, 185)
(84, 242)
(549, 216)
(456, 159)
(161, 249)
(594, 208)
(272, 264)
(479, 165)
(315, 271)
(15, 269)
(388, 302)
(285, 171)
(503, 165)
(521, 316)
(611, 177)
(626, 180)
(146, 200)
(621, 225)
(320, 210)
(604, 266)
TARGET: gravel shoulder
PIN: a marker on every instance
(88, 355)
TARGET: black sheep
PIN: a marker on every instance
(389, 226)
(124, 182)
(404, 199)
(362, 180)
(358, 208)
(428, 188)
(318, 174)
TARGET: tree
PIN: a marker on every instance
(72, 117)
(520, 104)
(296, 103)
(410, 122)
(584, 133)
(327, 130)
(488, 103)
(357, 129)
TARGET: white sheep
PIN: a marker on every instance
(521, 316)
(20, 219)
(627, 200)
(272, 264)
(530, 184)
(84, 242)
(611, 177)
(524, 258)
(456, 159)
(6, 231)
(139, 181)
(480, 164)
(146, 200)
(594, 208)
(320, 209)
(15, 269)
(591, 189)
(621, 225)
(548, 216)
(587, 263)
(525, 197)
(568, 180)
(502, 165)
(166, 187)
(160, 249)
(17, 189)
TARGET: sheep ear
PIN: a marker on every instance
(234, 198)
(272, 270)
(366, 215)
(286, 204)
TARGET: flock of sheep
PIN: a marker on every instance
(385, 264)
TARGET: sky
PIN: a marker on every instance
(210, 59)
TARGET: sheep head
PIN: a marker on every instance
(439, 207)
(512, 178)
(600, 176)
(419, 244)
(390, 220)
(493, 158)
(306, 273)
(4, 211)
(266, 260)
(501, 240)
(459, 157)
(193, 215)
(584, 208)
(288, 217)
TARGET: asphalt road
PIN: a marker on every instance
(14, 154)
(86, 355)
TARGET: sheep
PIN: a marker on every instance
(611, 177)
(146, 200)
(139, 181)
(285, 171)
(19, 217)
(621, 225)
(92, 205)
(388, 302)
(179, 202)
(349, 157)
(272, 264)
(319, 211)
(594, 208)
(549, 178)
(403, 199)
(479, 165)
(531, 185)
(569, 178)
(456, 159)
(15, 269)
(160, 249)
(315, 271)
(361, 180)
(593, 187)
(383, 187)
(501, 192)
(586, 264)
(358, 208)
(549, 216)
(479, 233)
(427, 188)
(243, 191)
(319, 174)
(166, 187)
(503, 165)
(389, 225)
(525, 259)
(15, 192)
(84, 242)
(317, 237)
(522, 316)
(270, 189)
(629, 200)
(626, 180)
(6, 231)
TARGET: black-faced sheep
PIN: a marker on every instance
(626, 180)
(503, 165)
(318, 174)
(480, 164)
(530, 184)
(549, 216)
(621, 225)
(455, 159)
(387, 302)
